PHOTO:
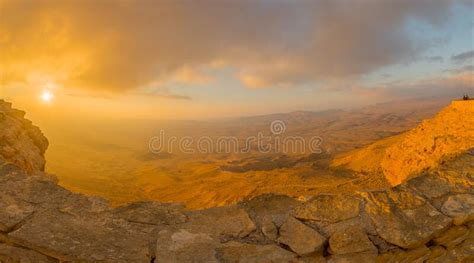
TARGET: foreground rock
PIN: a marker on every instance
(350, 240)
(300, 238)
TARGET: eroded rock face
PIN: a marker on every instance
(238, 252)
(460, 207)
(426, 219)
(350, 240)
(16, 254)
(329, 208)
(407, 228)
(300, 238)
(21, 142)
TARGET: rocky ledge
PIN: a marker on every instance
(429, 218)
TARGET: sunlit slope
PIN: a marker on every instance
(450, 132)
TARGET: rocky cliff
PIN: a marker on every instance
(21, 143)
(398, 158)
(426, 218)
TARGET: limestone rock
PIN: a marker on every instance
(196, 240)
(152, 213)
(69, 237)
(417, 255)
(350, 240)
(330, 208)
(408, 228)
(463, 252)
(436, 253)
(300, 238)
(362, 257)
(16, 254)
(238, 252)
(452, 237)
(185, 246)
(13, 212)
(269, 229)
(314, 258)
(430, 185)
(273, 206)
(221, 222)
(22, 143)
(460, 207)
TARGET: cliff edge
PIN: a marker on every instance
(401, 157)
(21, 143)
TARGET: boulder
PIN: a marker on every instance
(362, 257)
(463, 252)
(197, 239)
(300, 238)
(329, 208)
(431, 185)
(460, 207)
(13, 212)
(16, 254)
(350, 240)
(185, 246)
(269, 229)
(417, 255)
(407, 228)
(88, 238)
(152, 213)
(238, 252)
(452, 237)
(436, 253)
(273, 206)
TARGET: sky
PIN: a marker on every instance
(223, 58)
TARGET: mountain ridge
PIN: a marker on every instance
(402, 156)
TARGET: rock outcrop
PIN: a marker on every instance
(21, 142)
(426, 218)
(398, 158)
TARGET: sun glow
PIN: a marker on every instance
(46, 96)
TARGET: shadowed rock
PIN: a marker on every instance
(238, 252)
(350, 240)
(330, 208)
(300, 238)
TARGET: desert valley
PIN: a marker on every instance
(113, 160)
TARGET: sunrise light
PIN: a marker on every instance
(46, 96)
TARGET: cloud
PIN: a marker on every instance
(452, 85)
(463, 57)
(433, 59)
(119, 46)
(172, 96)
(466, 68)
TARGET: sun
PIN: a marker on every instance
(47, 96)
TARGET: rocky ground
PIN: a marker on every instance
(429, 218)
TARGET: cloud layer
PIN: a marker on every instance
(122, 45)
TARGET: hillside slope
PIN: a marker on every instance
(400, 157)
